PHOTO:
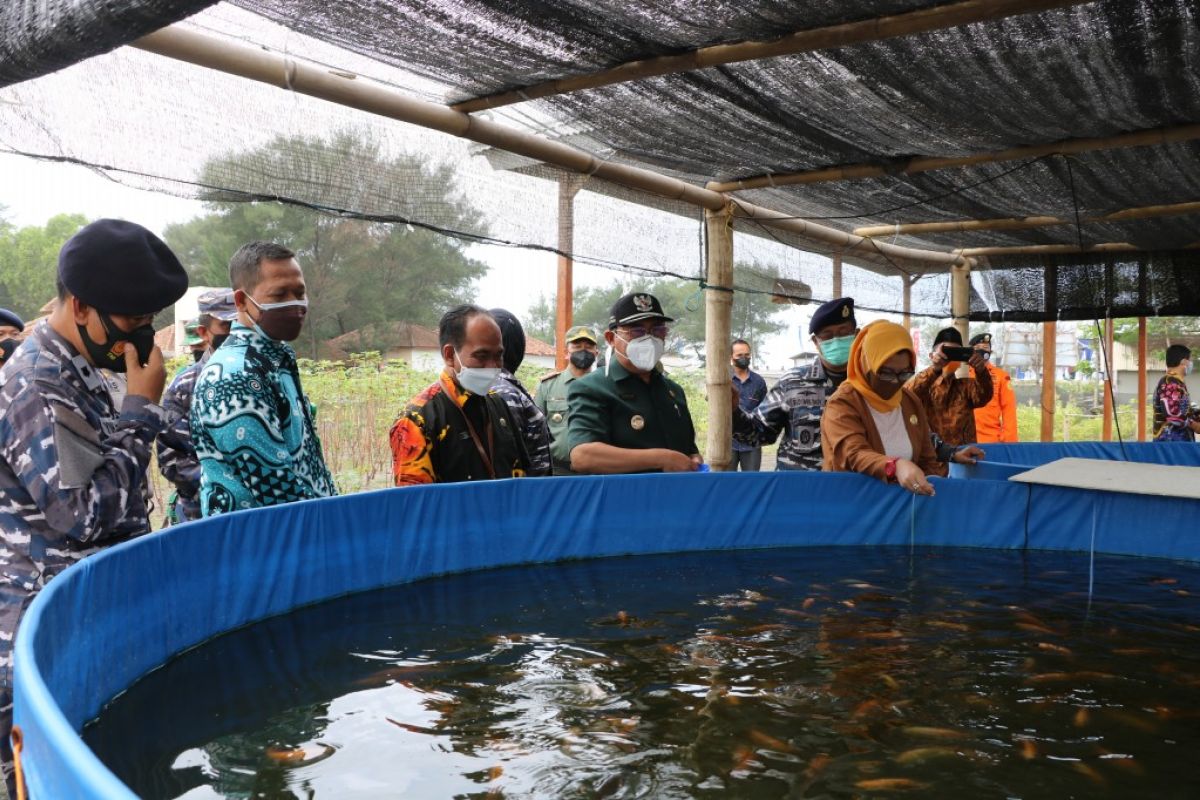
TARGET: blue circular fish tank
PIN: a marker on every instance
(105, 623)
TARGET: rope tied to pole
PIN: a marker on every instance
(18, 743)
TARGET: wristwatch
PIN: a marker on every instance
(890, 470)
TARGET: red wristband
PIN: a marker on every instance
(890, 470)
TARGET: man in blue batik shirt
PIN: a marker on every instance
(252, 425)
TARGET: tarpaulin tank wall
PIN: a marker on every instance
(109, 620)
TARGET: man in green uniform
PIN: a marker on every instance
(552, 394)
(628, 417)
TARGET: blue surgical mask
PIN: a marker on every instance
(837, 351)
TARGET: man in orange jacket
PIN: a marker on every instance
(996, 421)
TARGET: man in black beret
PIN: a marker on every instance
(798, 399)
(629, 417)
(11, 325)
(73, 466)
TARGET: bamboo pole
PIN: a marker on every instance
(1050, 249)
(960, 299)
(1143, 138)
(1049, 396)
(837, 275)
(718, 318)
(867, 30)
(908, 284)
(1109, 369)
(1025, 223)
(342, 88)
(568, 187)
(1141, 385)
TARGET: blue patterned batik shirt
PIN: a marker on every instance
(253, 428)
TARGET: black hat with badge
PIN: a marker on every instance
(835, 312)
(981, 338)
(636, 307)
(120, 267)
(10, 319)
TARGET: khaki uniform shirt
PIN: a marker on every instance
(620, 409)
(552, 400)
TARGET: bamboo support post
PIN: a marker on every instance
(837, 275)
(1141, 384)
(1109, 384)
(1143, 138)
(907, 301)
(960, 298)
(1025, 223)
(718, 321)
(1049, 396)
(568, 187)
(867, 30)
(1049, 249)
(344, 89)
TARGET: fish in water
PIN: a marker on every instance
(768, 741)
(1081, 717)
(808, 602)
(1028, 749)
(1090, 773)
(889, 784)
(1068, 677)
(1055, 648)
(300, 756)
(920, 755)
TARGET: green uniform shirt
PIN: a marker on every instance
(621, 409)
(552, 400)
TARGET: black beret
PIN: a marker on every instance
(981, 338)
(948, 335)
(512, 336)
(9, 318)
(835, 312)
(121, 268)
(635, 307)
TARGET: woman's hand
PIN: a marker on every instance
(910, 476)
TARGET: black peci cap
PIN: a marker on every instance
(636, 307)
(948, 335)
(120, 267)
(835, 312)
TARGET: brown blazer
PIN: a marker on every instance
(850, 441)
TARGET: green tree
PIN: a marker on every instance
(29, 262)
(360, 274)
(753, 316)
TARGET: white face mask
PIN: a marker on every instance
(476, 380)
(645, 351)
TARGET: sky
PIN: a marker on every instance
(33, 191)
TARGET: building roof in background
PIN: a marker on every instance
(384, 337)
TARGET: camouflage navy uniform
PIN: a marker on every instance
(793, 405)
(72, 476)
(532, 420)
(177, 459)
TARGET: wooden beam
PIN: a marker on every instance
(718, 319)
(1141, 385)
(1050, 249)
(1025, 223)
(1109, 369)
(907, 301)
(568, 187)
(1143, 138)
(1049, 396)
(876, 29)
(342, 88)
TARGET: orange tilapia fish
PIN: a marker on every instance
(1081, 717)
(808, 602)
(889, 784)
(1090, 773)
(300, 756)
(1055, 648)
(1059, 677)
(919, 755)
(953, 626)
(766, 740)
(1029, 749)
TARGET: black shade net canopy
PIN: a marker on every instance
(1058, 143)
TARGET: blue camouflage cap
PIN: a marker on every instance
(218, 303)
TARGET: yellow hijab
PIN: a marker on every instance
(873, 346)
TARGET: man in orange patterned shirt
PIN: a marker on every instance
(459, 429)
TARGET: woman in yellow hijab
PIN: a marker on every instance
(872, 424)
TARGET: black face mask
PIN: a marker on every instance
(583, 359)
(197, 355)
(218, 339)
(107, 354)
(7, 348)
(742, 363)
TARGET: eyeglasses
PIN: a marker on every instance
(658, 331)
(887, 376)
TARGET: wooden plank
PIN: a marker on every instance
(718, 321)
